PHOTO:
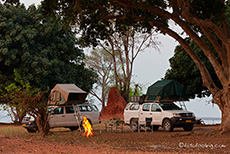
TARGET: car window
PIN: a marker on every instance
(94, 108)
(85, 108)
(134, 107)
(146, 107)
(58, 110)
(170, 106)
(69, 110)
(155, 107)
(89, 108)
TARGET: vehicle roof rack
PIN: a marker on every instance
(139, 99)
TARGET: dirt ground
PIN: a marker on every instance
(62, 141)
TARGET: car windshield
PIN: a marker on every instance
(169, 106)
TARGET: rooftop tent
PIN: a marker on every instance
(167, 90)
(66, 93)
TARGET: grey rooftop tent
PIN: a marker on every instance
(66, 94)
(166, 90)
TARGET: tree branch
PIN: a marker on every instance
(207, 81)
(217, 47)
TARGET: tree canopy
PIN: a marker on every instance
(99, 18)
(43, 53)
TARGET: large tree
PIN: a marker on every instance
(43, 53)
(124, 48)
(208, 17)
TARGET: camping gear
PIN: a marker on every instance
(166, 90)
(66, 94)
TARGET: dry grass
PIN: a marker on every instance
(13, 130)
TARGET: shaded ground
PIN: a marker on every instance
(62, 140)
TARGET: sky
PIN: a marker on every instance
(151, 65)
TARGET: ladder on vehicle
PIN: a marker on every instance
(77, 116)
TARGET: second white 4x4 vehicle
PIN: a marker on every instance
(167, 115)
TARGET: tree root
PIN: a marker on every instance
(220, 130)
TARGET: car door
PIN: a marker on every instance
(57, 117)
(70, 119)
(88, 112)
(131, 111)
(156, 114)
(96, 114)
(145, 113)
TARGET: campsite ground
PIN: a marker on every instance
(15, 139)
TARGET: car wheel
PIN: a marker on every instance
(188, 128)
(134, 125)
(167, 125)
(73, 128)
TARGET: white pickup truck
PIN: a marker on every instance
(167, 115)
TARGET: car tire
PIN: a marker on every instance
(188, 128)
(167, 125)
(134, 125)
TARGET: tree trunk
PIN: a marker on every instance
(42, 120)
(221, 98)
(13, 114)
(225, 124)
(43, 125)
(20, 117)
